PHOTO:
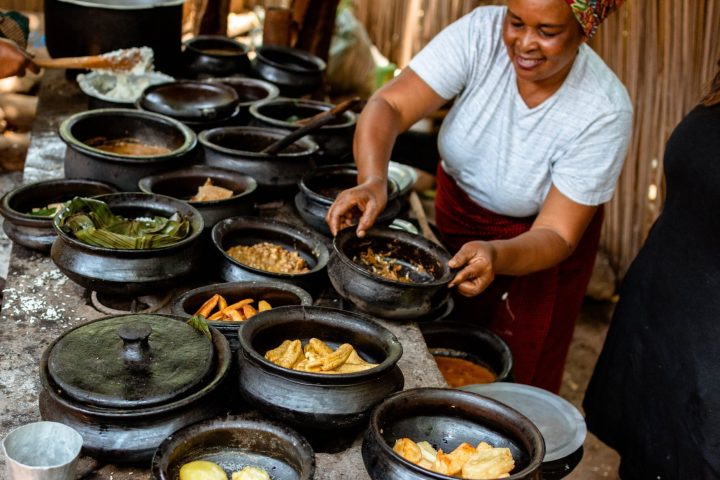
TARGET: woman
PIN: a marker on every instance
(14, 60)
(655, 393)
(532, 146)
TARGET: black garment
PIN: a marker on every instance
(655, 392)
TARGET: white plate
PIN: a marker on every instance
(561, 424)
(404, 175)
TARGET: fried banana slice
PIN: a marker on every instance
(429, 455)
(248, 311)
(274, 354)
(488, 464)
(452, 463)
(291, 356)
(208, 306)
(348, 367)
(334, 360)
(407, 449)
(263, 306)
(319, 348)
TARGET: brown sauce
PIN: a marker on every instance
(220, 51)
(459, 372)
(269, 257)
(127, 146)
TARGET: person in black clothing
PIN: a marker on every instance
(14, 60)
(655, 393)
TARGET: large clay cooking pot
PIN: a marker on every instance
(126, 382)
(75, 28)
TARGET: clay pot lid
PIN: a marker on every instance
(130, 361)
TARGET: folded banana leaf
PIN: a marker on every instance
(92, 222)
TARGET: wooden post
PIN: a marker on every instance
(317, 27)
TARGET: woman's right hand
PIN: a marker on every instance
(369, 197)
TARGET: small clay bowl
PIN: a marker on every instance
(234, 443)
(296, 72)
(250, 92)
(191, 101)
(215, 56)
(35, 232)
(251, 230)
(183, 184)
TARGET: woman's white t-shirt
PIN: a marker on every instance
(505, 155)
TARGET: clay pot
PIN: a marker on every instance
(250, 91)
(295, 72)
(215, 56)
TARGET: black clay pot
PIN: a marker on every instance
(190, 101)
(317, 401)
(233, 443)
(469, 342)
(335, 139)
(382, 297)
(251, 230)
(131, 272)
(238, 148)
(35, 232)
(445, 418)
(119, 170)
(75, 28)
(215, 56)
(131, 381)
(277, 294)
(250, 91)
(319, 188)
(295, 72)
(183, 184)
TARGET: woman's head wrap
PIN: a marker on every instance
(591, 13)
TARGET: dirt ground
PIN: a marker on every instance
(599, 461)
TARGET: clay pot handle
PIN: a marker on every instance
(136, 348)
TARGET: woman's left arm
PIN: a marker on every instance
(553, 237)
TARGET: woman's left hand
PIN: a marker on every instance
(476, 261)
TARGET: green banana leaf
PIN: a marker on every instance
(92, 222)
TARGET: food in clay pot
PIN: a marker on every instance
(126, 382)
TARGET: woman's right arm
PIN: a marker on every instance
(390, 111)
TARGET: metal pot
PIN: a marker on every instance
(250, 91)
(75, 28)
(238, 148)
(215, 56)
(445, 418)
(32, 231)
(469, 342)
(126, 382)
(320, 187)
(124, 171)
(235, 442)
(183, 184)
(130, 272)
(296, 72)
(382, 297)
(251, 230)
(335, 139)
(317, 401)
(277, 294)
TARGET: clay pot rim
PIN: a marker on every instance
(255, 111)
(206, 139)
(272, 90)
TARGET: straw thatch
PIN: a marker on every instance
(664, 51)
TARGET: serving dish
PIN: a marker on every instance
(127, 272)
(188, 100)
(183, 184)
(122, 170)
(317, 401)
(319, 188)
(295, 72)
(277, 294)
(239, 149)
(445, 418)
(424, 263)
(215, 56)
(126, 382)
(37, 232)
(236, 442)
(334, 139)
(252, 230)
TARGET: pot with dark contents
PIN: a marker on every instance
(313, 401)
(320, 187)
(276, 294)
(215, 56)
(119, 146)
(335, 139)
(250, 91)
(29, 209)
(390, 273)
(468, 354)
(127, 382)
(446, 418)
(124, 271)
(258, 249)
(239, 149)
(228, 193)
(295, 72)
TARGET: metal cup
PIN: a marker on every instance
(42, 451)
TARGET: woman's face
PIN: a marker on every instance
(542, 38)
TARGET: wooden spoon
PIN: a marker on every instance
(118, 60)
